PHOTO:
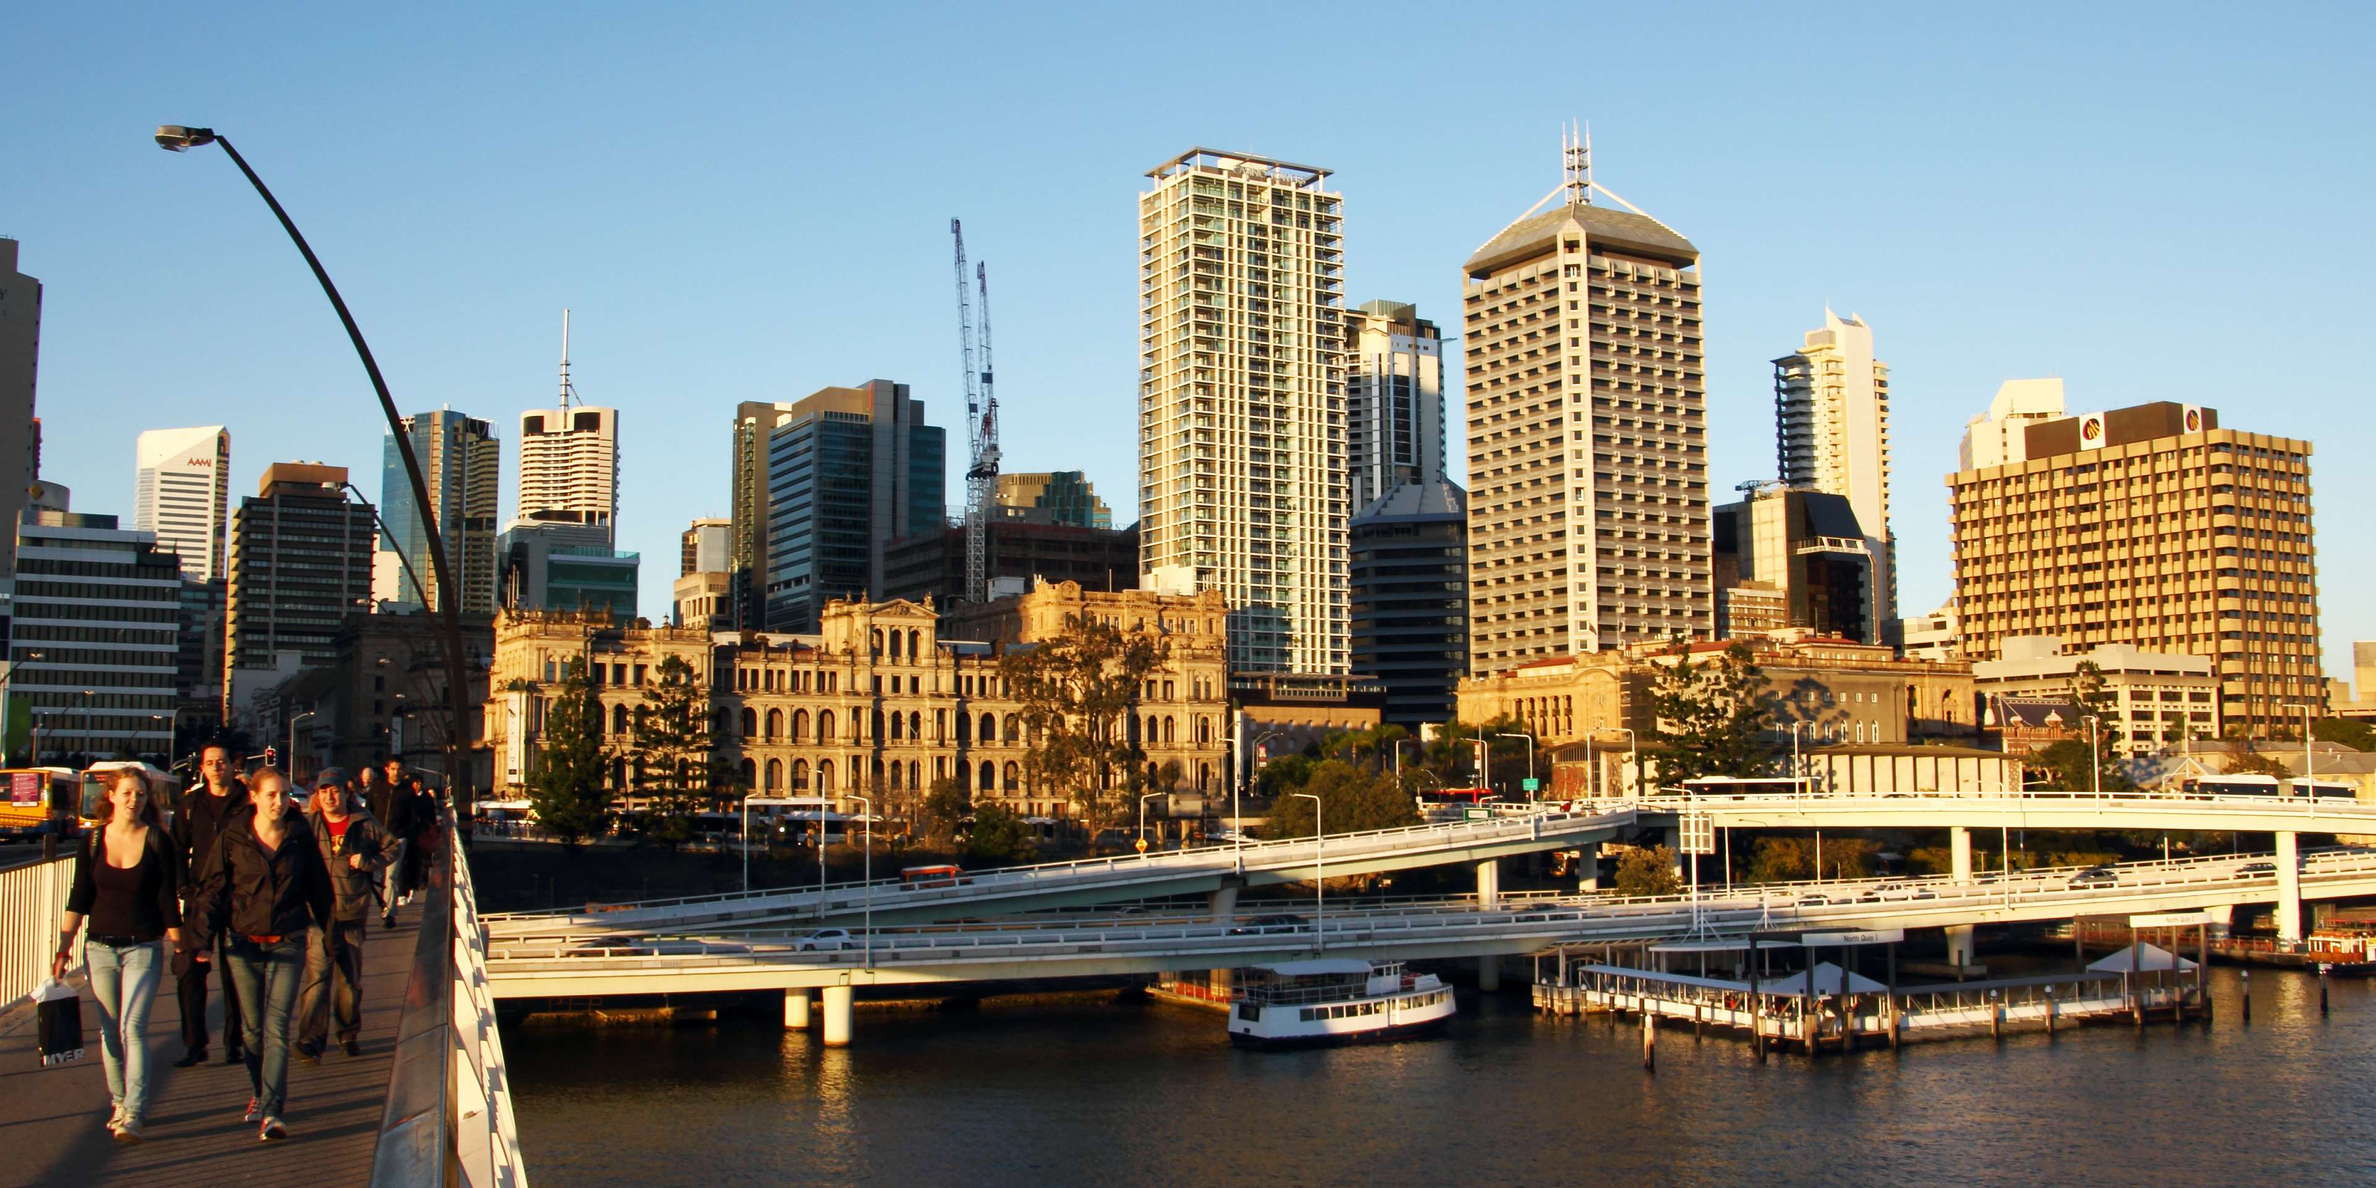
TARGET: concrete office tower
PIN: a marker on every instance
(462, 464)
(1789, 557)
(1587, 451)
(560, 565)
(1063, 497)
(20, 433)
(1831, 434)
(849, 471)
(181, 492)
(2154, 527)
(300, 564)
(1242, 402)
(1394, 401)
(754, 422)
(707, 545)
(569, 466)
(1998, 437)
(92, 660)
(1409, 610)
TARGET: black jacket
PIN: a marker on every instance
(246, 890)
(412, 815)
(351, 886)
(197, 819)
(150, 912)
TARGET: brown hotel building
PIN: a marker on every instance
(2154, 527)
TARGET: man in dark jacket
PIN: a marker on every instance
(205, 808)
(354, 850)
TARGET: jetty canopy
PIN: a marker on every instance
(2148, 958)
(1317, 967)
(1828, 980)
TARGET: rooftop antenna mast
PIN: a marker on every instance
(567, 392)
(981, 423)
(1575, 144)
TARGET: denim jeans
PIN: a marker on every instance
(333, 984)
(267, 977)
(392, 879)
(124, 981)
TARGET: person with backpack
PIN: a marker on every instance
(127, 884)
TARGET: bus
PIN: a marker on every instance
(2234, 785)
(1746, 786)
(2320, 789)
(162, 787)
(40, 802)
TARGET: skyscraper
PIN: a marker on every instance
(754, 422)
(93, 652)
(2150, 526)
(1394, 401)
(462, 464)
(706, 545)
(181, 492)
(300, 564)
(20, 435)
(1999, 436)
(1831, 434)
(849, 471)
(569, 466)
(1053, 497)
(1409, 606)
(1588, 496)
(1242, 402)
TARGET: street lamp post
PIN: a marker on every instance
(1530, 775)
(1143, 817)
(1237, 828)
(2095, 753)
(2309, 757)
(1798, 768)
(293, 740)
(866, 886)
(176, 138)
(1319, 875)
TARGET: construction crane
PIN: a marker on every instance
(981, 424)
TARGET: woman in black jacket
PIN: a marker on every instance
(127, 883)
(265, 888)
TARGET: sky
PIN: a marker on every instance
(2153, 202)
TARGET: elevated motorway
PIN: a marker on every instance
(1220, 871)
(593, 965)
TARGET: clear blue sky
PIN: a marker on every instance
(2163, 201)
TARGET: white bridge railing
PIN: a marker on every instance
(32, 897)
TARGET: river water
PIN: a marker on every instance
(1084, 1090)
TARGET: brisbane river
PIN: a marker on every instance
(1091, 1090)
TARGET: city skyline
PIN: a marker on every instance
(1996, 238)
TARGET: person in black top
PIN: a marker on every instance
(217, 797)
(414, 821)
(126, 882)
(354, 850)
(264, 887)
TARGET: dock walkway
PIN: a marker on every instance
(51, 1119)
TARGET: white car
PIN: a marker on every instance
(826, 940)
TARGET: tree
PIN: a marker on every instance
(1712, 717)
(566, 788)
(2244, 759)
(1351, 800)
(1648, 871)
(1080, 693)
(674, 750)
(942, 813)
(1000, 837)
(2358, 735)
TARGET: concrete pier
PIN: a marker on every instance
(1959, 936)
(837, 1016)
(2289, 888)
(796, 1010)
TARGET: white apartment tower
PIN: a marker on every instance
(1831, 434)
(1242, 402)
(1394, 401)
(1999, 436)
(181, 491)
(1587, 449)
(569, 459)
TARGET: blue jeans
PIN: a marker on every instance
(124, 981)
(267, 977)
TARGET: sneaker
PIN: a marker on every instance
(310, 1053)
(235, 1056)
(351, 1047)
(191, 1059)
(272, 1131)
(255, 1111)
(115, 1117)
(388, 921)
(127, 1132)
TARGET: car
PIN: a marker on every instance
(1893, 891)
(2095, 876)
(826, 940)
(1275, 922)
(1814, 901)
(2257, 870)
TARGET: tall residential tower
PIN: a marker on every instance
(1242, 402)
(1394, 401)
(181, 492)
(1831, 434)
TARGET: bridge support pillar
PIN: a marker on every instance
(1488, 882)
(1489, 973)
(1223, 903)
(796, 1010)
(1959, 936)
(2289, 888)
(837, 1016)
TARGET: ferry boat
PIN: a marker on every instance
(1334, 1000)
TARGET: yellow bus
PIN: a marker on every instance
(38, 801)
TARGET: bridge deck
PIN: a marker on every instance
(51, 1118)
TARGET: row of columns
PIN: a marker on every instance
(836, 1014)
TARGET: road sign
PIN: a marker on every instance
(1142, 845)
(1870, 936)
(2170, 919)
(1531, 784)
(1699, 832)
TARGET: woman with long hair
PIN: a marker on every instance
(127, 882)
(265, 888)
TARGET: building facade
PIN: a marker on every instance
(1062, 497)
(1242, 401)
(1410, 598)
(2156, 698)
(707, 546)
(561, 566)
(2150, 526)
(462, 465)
(754, 423)
(1394, 401)
(1802, 549)
(1022, 553)
(1586, 391)
(849, 471)
(93, 649)
(20, 429)
(569, 466)
(2000, 436)
(181, 492)
(300, 564)
(1831, 434)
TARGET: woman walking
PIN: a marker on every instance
(265, 889)
(126, 884)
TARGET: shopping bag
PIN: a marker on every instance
(60, 1011)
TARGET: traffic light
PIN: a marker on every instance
(271, 756)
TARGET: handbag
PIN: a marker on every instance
(60, 1011)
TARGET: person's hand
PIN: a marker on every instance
(199, 956)
(354, 862)
(58, 966)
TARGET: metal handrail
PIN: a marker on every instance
(448, 1117)
(32, 897)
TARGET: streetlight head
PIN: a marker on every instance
(174, 138)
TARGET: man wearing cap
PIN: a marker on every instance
(355, 849)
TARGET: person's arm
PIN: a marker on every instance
(169, 884)
(314, 881)
(211, 899)
(78, 905)
(375, 850)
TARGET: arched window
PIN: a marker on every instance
(824, 725)
(989, 781)
(1170, 727)
(915, 775)
(989, 728)
(878, 725)
(964, 728)
(1012, 735)
(750, 773)
(915, 645)
(775, 775)
(800, 725)
(898, 725)
(915, 724)
(1012, 780)
(1204, 729)
(877, 647)
(800, 775)
(825, 776)
(750, 722)
(898, 777)
(618, 719)
(775, 724)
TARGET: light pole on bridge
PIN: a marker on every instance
(1319, 875)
